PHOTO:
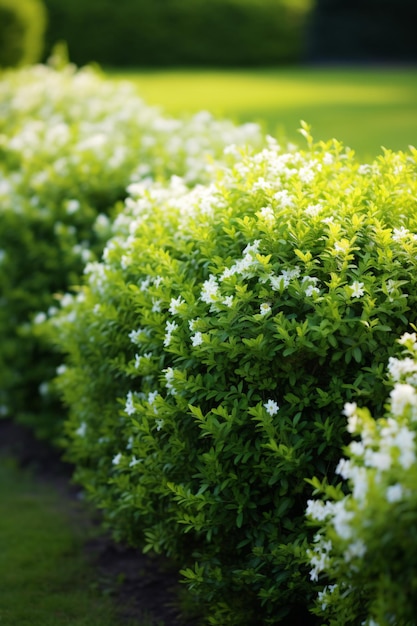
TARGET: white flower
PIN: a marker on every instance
(135, 334)
(210, 290)
(175, 304)
(382, 461)
(357, 289)
(271, 407)
(159, 424)
(156, 305)
(400, 233)
(355, 549)
(311, 290)
(344, 468)
(401, 396)
(398, 368)
(129, 407)
(197, 339)
(39, 318)
(341, 520)
(152, 397)
(134, 461)
(116, 459)
(319, 510)
(265, 308)
(394, 493)
(72, 206)
(61, 369)
(406, 337)
(81, 430)
(169, 328)
(228, 301)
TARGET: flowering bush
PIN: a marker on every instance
(70, 143)
(210, 350)
(366, 544)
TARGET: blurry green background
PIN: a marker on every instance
(347, 67)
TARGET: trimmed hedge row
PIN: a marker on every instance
(70, 143)
(243, 296)
(210, 353)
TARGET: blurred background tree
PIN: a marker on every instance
(363, 30)
(22, 30)
(180, 32)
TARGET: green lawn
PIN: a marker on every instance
(45, 579)
(364, 108)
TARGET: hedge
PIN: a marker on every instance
(209, 355)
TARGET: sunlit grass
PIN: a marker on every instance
(45, 579)
(364, 108)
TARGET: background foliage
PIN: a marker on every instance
(22, 29)
(180, 32)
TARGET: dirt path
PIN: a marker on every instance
(144, 589)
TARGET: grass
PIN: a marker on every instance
(364, 108)
(45, 579)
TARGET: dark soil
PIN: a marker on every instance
(144, 588)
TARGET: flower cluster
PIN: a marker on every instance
(365, 531)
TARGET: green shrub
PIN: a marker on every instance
(70, 143)
(366, 544)
(210, 351)
(22, 29)
(172, 32)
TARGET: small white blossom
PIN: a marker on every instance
(265, 308)
(116, 459)
(129, 406)
(394, 493)
(228, 301)
(175, 305)
(81, 430)
(400, 233)
(356, 549)
(39, 318)
(210, 290)
(156, 305)
(152, 397)
(197, 339)
(401, 396)
(357, 289)
(134, 461)
(271, 407)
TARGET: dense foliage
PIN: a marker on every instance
(22, 29)
(175, 32)
(210, 353)
(366, 544)
(70, 143)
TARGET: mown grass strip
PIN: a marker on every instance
(364, 108)
(45, 578)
